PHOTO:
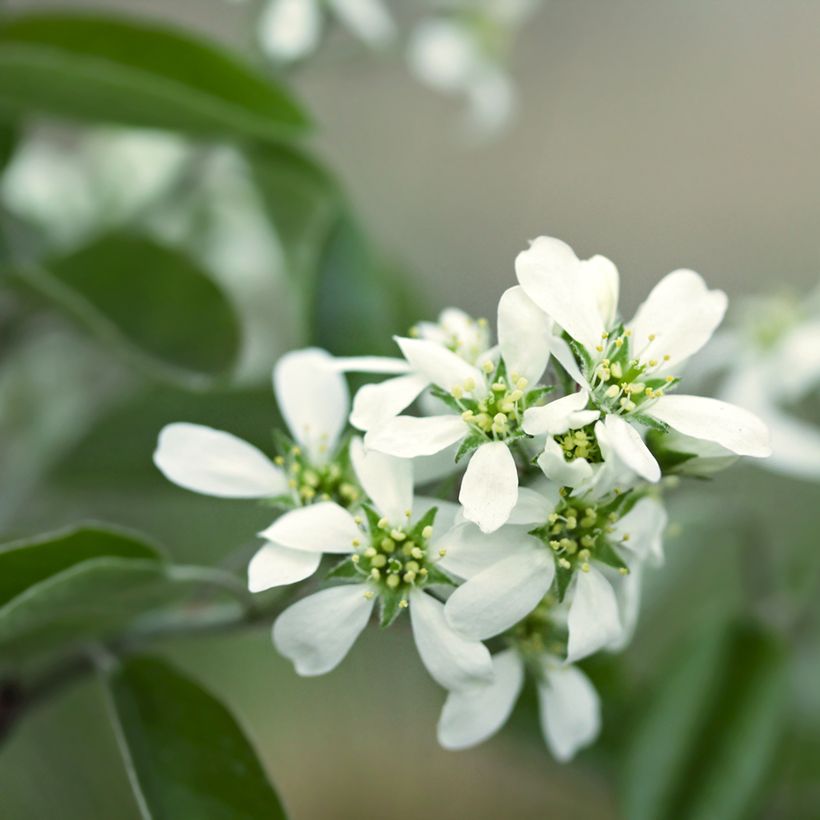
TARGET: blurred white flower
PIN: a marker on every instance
(569, 706)
(484, 403)
(625, 371)
(393, 549)
(291, 29)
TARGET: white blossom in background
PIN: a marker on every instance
(314, 401)
(394, 553)
(627, 371)
(484, 409)
(569, 707)
(770, 362)
(462, 50)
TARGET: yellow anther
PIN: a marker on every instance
(423, 572)
(412, 566)
(408, 513)
(398, 535)
(627, 333)
(605, 335)
(409, 577)
(626, 537)
(379, 561)
(427, 532)
(562, 562)
(521, 383)
(296, 451)
(499, 387)
(587, 541)
(375, 574)
(356, 542)
(481, 322)
(666, 357)
(670, 378)
(619, 343)
(355, 559)
(417, 553)
(599, 348)
(442, 552)
(637, 387)
(469, 384)
(369, 595)
(307, 493)
(649, 392)
(388, 545)
(370, 552)
(617, 370)
(457, 392)
(652, 337)
(293, 484)
(383, 523)
(585, 567)
(623, 570)
(393, 581)
(295, 467)
(488, 367)
(653, 362)
(279, 460)
(572, 523)
(556, 545)
(613, 391)
(403, 604)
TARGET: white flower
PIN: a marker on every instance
(393, 558)
(484, 408)
(290, 29)
(626, 371)
(586, 551)
(314, 401)
(568, 704)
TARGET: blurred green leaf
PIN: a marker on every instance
(108, 69)
(186, 755)
(8, 141)
(150, 301)
(709, 736)
(26, 562)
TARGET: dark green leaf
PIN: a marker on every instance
(27, 562)
(390, 606)
(186, 755)
(150, 301)
(108, 69)
(8, 141)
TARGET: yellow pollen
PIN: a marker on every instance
(469, 384)
(488, 367)
(585, 567)
(457, 392)
(442, 552)
(403, 604)
(279, 460)
(393, 581)
(427, 532)
(521, 383)
(356, 542)
(398, 535)
(383, 523)
(379, 561)
(369, 595)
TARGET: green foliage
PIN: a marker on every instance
(107, 69)
(132, 292)
(186, 755)
(709, 735)
(8, 142)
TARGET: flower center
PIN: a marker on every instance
(580, 443)
(308, 482)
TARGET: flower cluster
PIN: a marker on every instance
(557, 437)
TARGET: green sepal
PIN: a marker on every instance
(582, 355)
(652, 423)
(345, 570)
(606, 554)
(437, 576)
(427, 520)
(284, 502)
(282, 442)
(470, 443)
(390, 606)
(447, 398)
(562, 578)
(373, 517)
(537, 393)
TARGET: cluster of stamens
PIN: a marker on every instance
(575, 531)
(309, 483)
(580, 443)
(621, 384)
(538, 633)
(393, 558)
(469, 347)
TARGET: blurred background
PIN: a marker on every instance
(660, 134)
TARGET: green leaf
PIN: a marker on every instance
(390, 606)
(185, 753)
(147, 300)
(470, 443)
(708, 738)
(118, 70)
(8, 142)
(27, 562)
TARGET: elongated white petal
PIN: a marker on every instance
(593, 619)
(533, 506)
(628, 594)
(408, 436)
(473, 715)
(570, 711)
(323, 527)
(564, 473)
(629, 447)
(524, 332)
(289, 29)
(601, 276)
(275, 565)
(795, 445)
(313, 399)
(551, 275)
(387, 480)
(726, 424)
(562, 353)
(559, 416)
(489, 488)
(216, 463)
(317, 632)
(681, 313)
(369, 20)
(453, 661)
(643, 526)
(501, 595)
(468, 551)
(374, 404)
(437, 364)
(389, 365)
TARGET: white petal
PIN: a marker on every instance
(389, 365)
(726, 424)
(681, 313)
(437, 364)
(795, 444)
(593, 621)
(275, 566)
(628, 594)
(313, 399)
(317, 632)
(564, 473)
(533, 506)
(453, 661)
(469, 551)
(408, 436)
(501, 595)
(551, 274)
(644, 524)
(369, 20)
(561, 352)
(323, 527)
(570, 711)
(629, 447)
(375, 404)
(559, 416)
(473, 715)
(216, 463)
(489, 488)
(387, 480)
(524, 333)
(289, 29)
(601, 276)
